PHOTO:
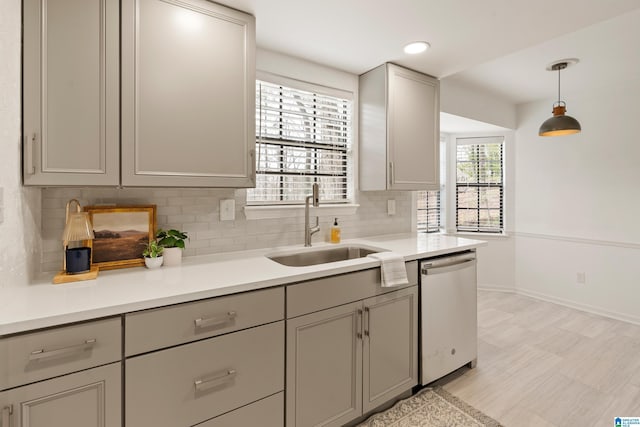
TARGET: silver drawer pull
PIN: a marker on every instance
(7, 411)
(215, 380)
(44, 354)
(205, 322)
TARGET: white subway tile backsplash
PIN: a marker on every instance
(196, 211)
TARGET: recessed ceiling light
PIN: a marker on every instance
(416, 47)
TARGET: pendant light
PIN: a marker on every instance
(560, 124)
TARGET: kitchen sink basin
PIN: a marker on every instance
(311, 256)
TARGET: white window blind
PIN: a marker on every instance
(428, 211)
(479, 185)
(302, 137)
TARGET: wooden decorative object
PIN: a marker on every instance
(64, 277)
(121, 233)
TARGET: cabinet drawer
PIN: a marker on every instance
(45, 354)
(165, 327)
(185, 385)
(90, 398)
(319, 294)
(268, 412)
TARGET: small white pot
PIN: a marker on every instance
(172, 256)
(153, 262)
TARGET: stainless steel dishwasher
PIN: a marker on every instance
(448, 314)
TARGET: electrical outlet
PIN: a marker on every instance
(580, 277)
(227, 210)
(391, 207)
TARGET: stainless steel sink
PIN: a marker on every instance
(306, 257)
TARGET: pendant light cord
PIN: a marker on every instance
(559, 85)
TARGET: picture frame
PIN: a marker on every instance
(121, 232)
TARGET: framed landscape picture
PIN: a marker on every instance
(121, 232)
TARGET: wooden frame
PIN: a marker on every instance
(120, 234)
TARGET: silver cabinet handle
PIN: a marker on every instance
(391, 177)
(253, 162)
(214, 380)
(44, 354)
(366, 321)
(7, 411)
(29, 167)
(359, 325)
(205, 322)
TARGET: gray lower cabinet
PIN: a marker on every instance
(88, 398)
(324, 367)
(390, 357)
(71, 92)
(344, 361)
(267, 412)
(192, 383)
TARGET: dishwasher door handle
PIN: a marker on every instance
(427, 270)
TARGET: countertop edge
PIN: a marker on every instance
(30, 318)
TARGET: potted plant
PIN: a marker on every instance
(152, 254)
(173, 243)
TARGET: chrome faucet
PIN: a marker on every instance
(308, 230)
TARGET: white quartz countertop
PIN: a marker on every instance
(42, 304)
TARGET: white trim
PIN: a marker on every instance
(297, 211)
(618, 244)
(303, 85)
(582, 307)
(493, 288)
(478, 234)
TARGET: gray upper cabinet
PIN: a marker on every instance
(399, 130)
(71, 92)
(188, 94)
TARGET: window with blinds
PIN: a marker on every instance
(479, 185)
(428, 217)
(302, 137)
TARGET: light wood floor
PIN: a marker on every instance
(542, 364)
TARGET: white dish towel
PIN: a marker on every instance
(392, 268)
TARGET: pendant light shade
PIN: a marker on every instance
(560, 123)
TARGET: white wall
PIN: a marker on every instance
(577, 203)
(19, 245)
(465, 101)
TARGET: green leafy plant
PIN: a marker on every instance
(152, 250)
(171, 238)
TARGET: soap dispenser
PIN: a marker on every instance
(335, 231)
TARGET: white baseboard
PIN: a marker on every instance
(494, 288)
(582, 307)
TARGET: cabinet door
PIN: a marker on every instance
(413, 130)
(324, 367)
(71, 92)
(188, 94)
(390, 354)
(89, 398)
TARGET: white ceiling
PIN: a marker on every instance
(501, 45)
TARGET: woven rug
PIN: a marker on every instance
(431, 407)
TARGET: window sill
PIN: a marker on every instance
(297, 211)
(483, 235)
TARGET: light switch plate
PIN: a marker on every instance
(227, 210)
(391, 207)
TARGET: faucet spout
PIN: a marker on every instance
(315, 201)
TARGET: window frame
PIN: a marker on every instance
(347, 167)
(478, 141)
